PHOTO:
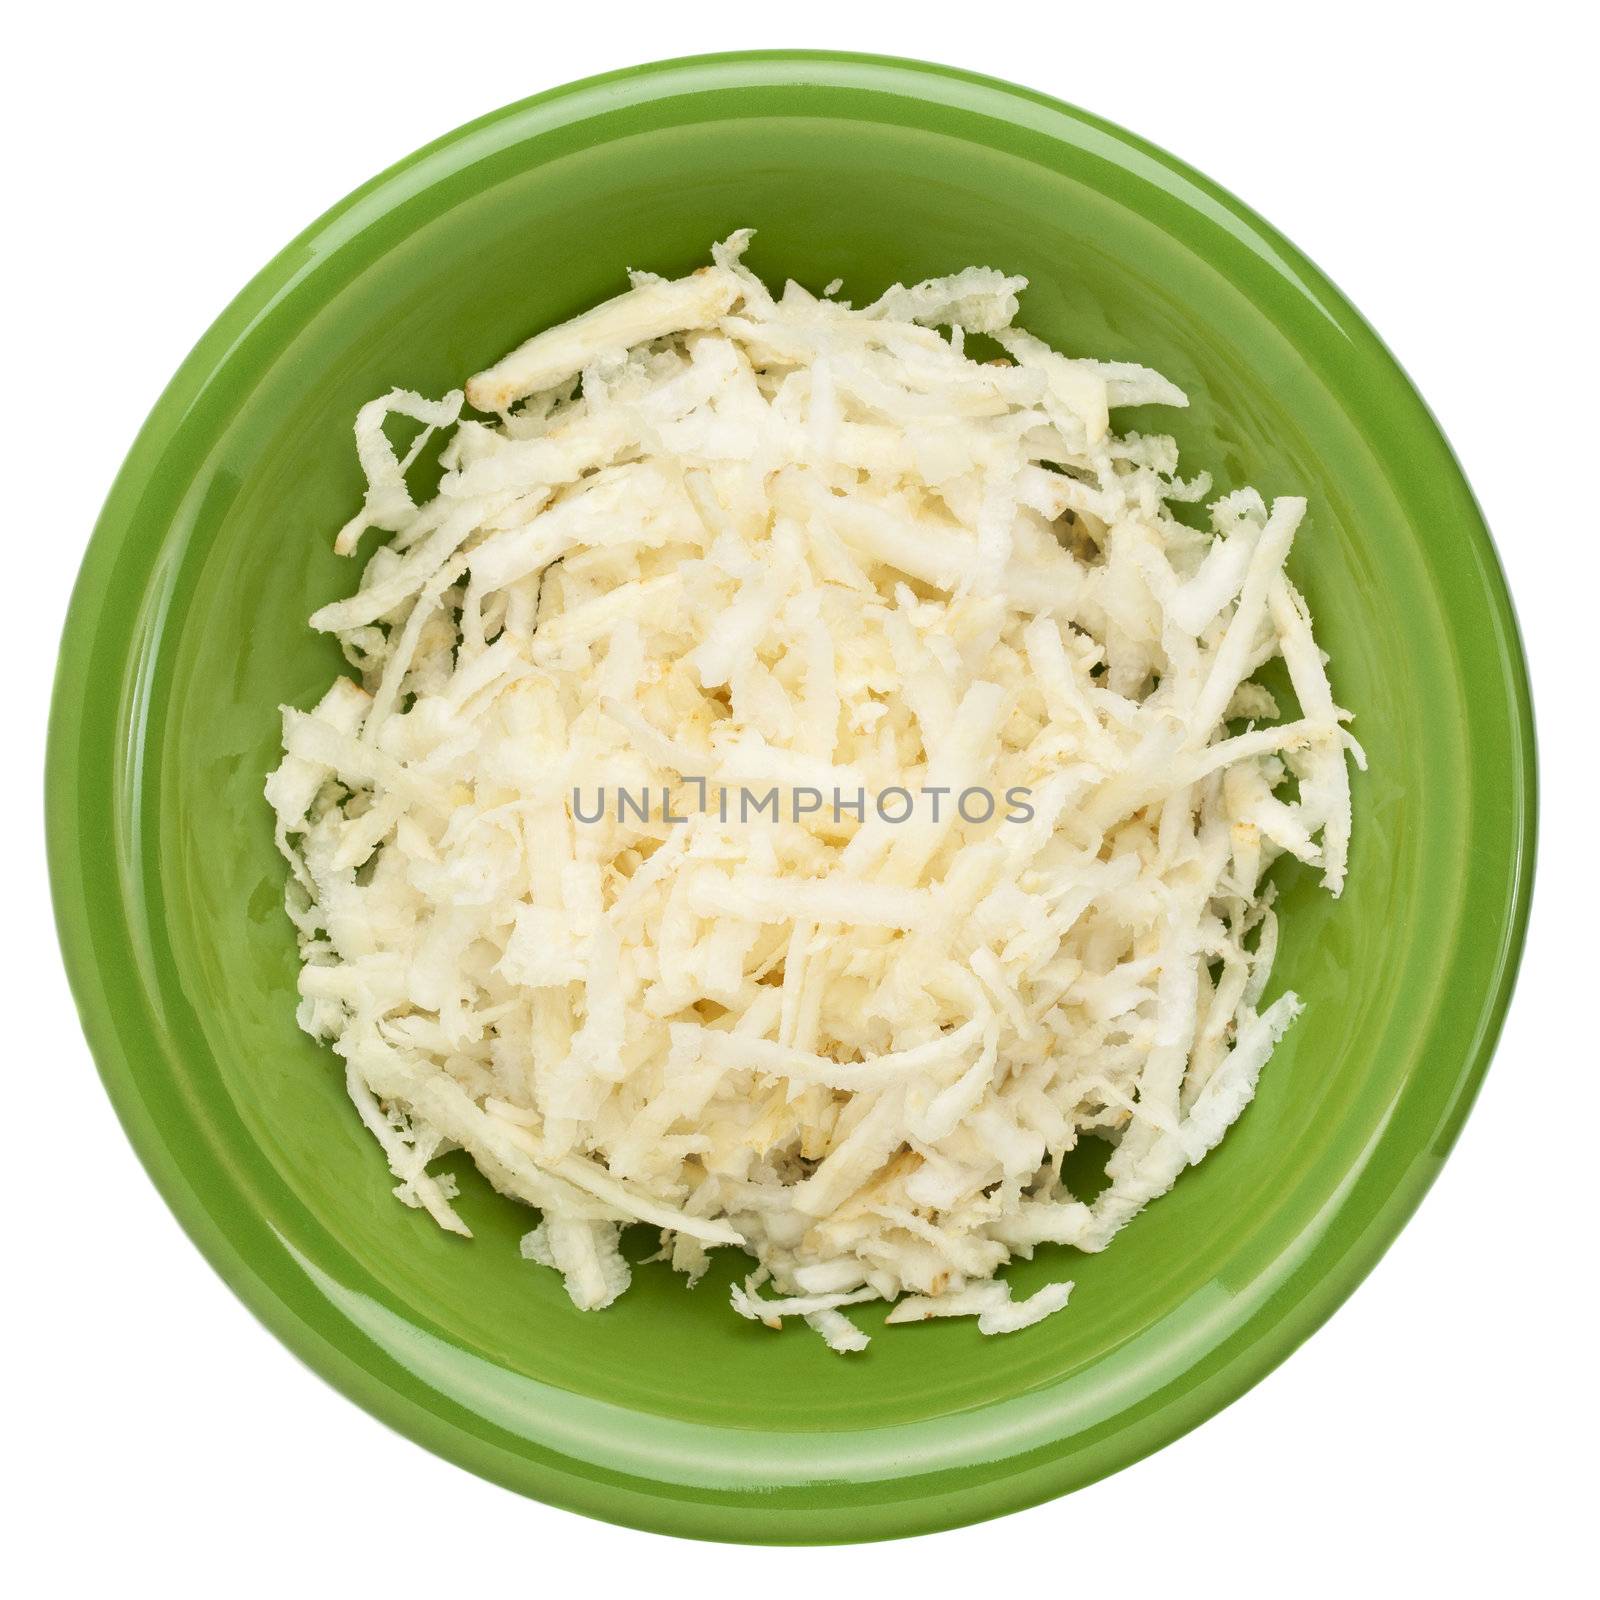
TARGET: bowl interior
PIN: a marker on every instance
(667, 1409)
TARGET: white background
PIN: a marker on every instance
(1439, 1431)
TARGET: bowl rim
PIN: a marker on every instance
(92, 918)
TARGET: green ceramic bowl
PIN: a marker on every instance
(188, 629)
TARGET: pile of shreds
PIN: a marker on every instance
(717, 540)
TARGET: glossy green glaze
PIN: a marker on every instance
(187, 631)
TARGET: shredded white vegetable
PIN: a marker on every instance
(762, 563)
